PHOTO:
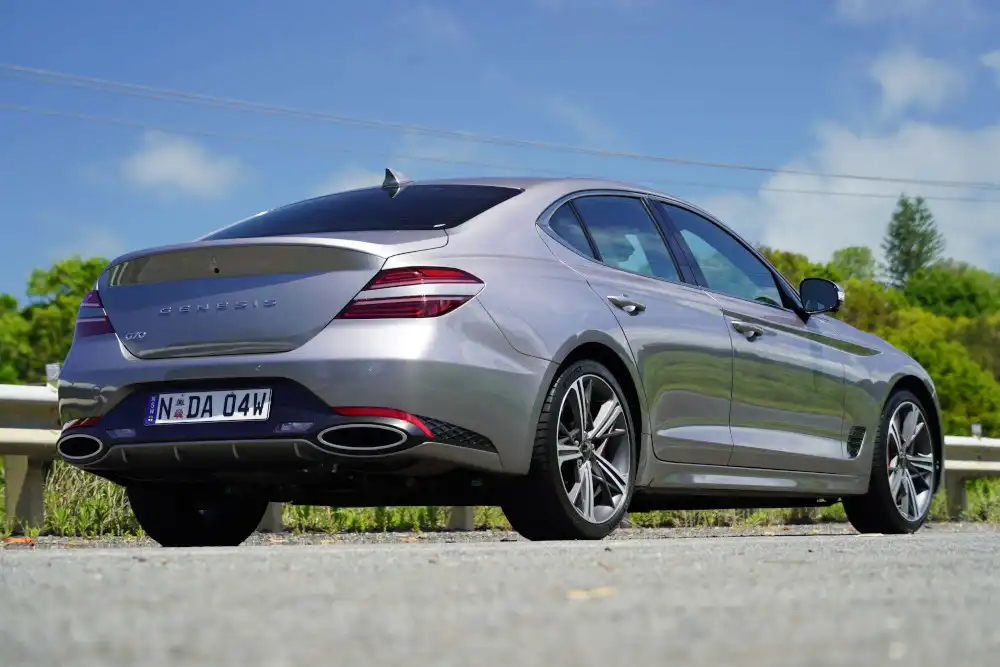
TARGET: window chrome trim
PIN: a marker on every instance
(543, 223)
(643, 195)
(784, 282)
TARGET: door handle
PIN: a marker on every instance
(750, 331)
(628, 305)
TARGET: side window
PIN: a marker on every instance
(625, 236)
(566, 225)
(727, 265)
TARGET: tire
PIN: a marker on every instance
(878, 511)
(538, 505)
(174, 518)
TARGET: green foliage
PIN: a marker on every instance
(14, 345)
(795, 266)
(981, 337)
(871, 306)
(912, 240)
(856, 262)
(41, 332)
(954, 289)
(968, 392)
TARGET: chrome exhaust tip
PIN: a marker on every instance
(362, 438)
(79, 447)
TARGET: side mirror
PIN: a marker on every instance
(820, 295)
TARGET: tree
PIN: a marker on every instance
(796, 266)
(981, 337)
(912, 240)
(954, 289)
(870, 306)
(13, 340)
(42, 331)
(968, 393)
(854, 262)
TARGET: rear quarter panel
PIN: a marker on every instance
(544, 308)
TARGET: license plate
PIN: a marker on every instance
(200, 407)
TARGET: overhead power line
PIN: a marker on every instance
(327, 148)
(51, 77)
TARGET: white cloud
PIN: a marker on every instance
(349, 178)
(431, 26)
(177, 164)
(992, 61)
(908, 79)
(421, 158)
(591, 129)
(817, 225)
(926, 12)
(418, 157)
(93, 242)
(864, 11)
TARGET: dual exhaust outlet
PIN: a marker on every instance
(342, 439)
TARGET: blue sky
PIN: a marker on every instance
(905, 88)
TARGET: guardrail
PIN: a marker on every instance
(967, 458)
(29, 430)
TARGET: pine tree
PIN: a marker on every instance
(912, 240)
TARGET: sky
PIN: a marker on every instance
(897, 88)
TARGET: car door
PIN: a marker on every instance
(677, 334)
(788, 374)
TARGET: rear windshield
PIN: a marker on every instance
(417, 207)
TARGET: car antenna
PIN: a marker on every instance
(394, 182)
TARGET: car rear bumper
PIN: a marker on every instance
(477, 397)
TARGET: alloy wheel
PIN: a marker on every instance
(594, 446)
(910, 461)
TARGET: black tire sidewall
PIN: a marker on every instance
(551, 430)
(170, 519)
(879, 484)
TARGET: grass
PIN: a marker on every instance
(81, 505)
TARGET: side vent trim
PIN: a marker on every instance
(854, 441)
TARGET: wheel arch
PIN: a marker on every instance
(625, 374)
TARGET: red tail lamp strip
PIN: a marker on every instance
(82, 422)
(389, 413)
(403, 307)
(422, 275)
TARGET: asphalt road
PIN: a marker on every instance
(763, 601)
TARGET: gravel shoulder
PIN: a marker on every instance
(487, 536)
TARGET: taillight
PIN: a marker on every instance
(366, 306)
(92, 320)
(421, 275)
(82, 422)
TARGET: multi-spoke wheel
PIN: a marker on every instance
(904, 471)
(910, 461)
(594, 448)
(583, 465)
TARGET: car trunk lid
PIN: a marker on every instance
(249, 296)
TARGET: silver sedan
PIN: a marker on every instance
(567, 349)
